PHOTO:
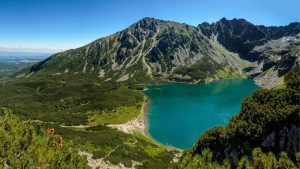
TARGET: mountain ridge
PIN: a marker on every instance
(149, 46)
(152, 50)
(243, 42)
(101, 83)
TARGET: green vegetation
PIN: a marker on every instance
(282, 86)
(7, 69)
(224, 75)
(69, 101)
(259, 160)
(205, 160)
(263, 113)
(8, 66)
(100, 140)
(11, 66)
(26, 146)
(203, 69)
(82, 87)
(116, 116)
(292, 79)
(57, 100)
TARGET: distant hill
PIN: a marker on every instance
(12, 62)
(24, 54)
(27, 52)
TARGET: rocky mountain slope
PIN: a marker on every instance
(276, 58)
(275, 50)
(152, 50)
(149, 49)
(241, 36)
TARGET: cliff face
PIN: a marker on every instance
(284, 139)
(287, 139)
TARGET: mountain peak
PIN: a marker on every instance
(148, 19)
(145, 22)
(234, 20)
(223, 19)
(241, 36)
(152, 46)
(149, 47)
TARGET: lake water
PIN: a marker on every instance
(179, 113)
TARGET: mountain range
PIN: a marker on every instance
(86, 94)
(157, 50)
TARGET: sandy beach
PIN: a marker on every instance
(140, 124)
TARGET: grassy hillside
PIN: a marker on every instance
(69, 100)
(55, 101)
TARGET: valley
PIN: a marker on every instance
(10, 64)
(94, 96)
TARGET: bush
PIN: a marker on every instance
(24, 146)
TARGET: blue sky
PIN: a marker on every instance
(64, 24)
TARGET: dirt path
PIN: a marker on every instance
(135, 125)
(101, 163)
(36, 121)
(79, 126)
(39, 121)
(108, 154)
(94, 163)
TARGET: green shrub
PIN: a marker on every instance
(24, 146)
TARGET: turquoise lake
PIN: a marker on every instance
(179, 113)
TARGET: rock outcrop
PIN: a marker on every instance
(285, 139)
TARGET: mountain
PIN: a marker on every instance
(157, 50)
(275, 50)
(149, 49)
(276, 58)
(241, 36)
(83, 92)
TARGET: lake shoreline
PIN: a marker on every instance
(213, 93)
(145, 113)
